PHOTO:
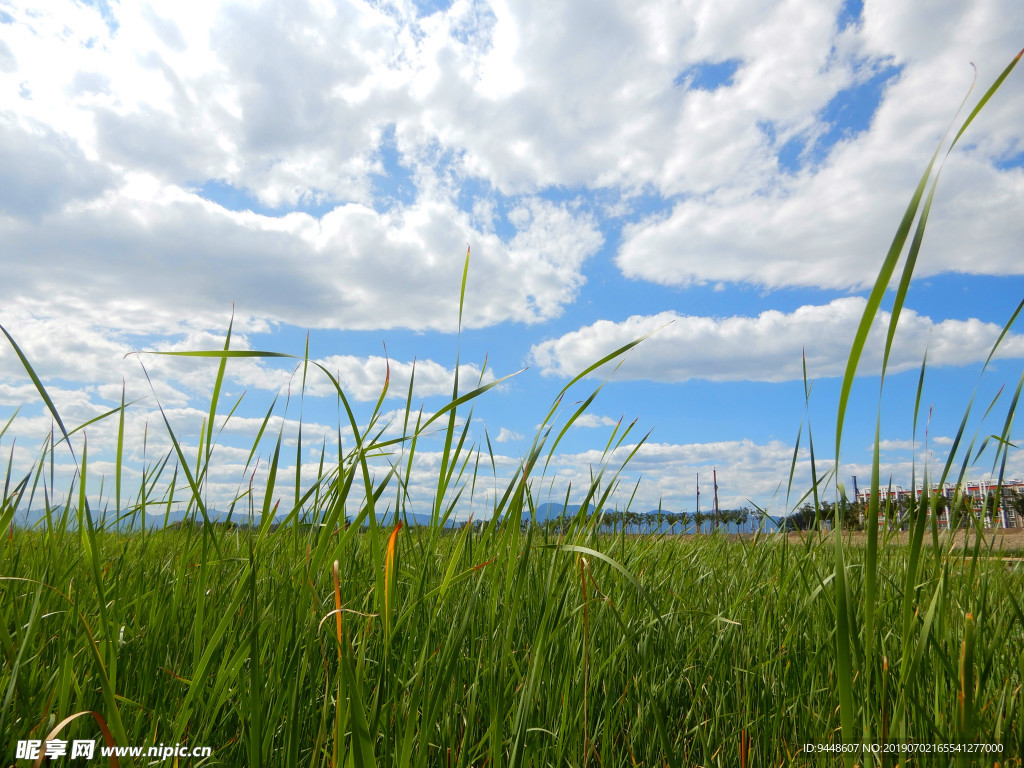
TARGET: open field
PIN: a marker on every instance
(497, 647)
(992, 541)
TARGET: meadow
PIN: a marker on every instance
(341, 637)
(498, 647)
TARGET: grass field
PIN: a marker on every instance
(498, 647)
(317, 643)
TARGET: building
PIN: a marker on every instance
(976, 493)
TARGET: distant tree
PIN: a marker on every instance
(716, 518)
(801, 519)
(759, 516)
(741, 516)
(853, 512)
(805, 517)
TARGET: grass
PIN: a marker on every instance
(317, 643)
(546, 655)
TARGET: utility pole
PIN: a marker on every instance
(856, 494)
(696, 517)
(714, 475)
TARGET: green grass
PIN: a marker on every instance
(318, 644)
(546, 655)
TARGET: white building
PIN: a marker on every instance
(975, 492)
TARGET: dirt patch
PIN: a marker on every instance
(998, 539)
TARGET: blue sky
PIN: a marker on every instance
(726, 179)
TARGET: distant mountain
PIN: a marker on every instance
(412, 518)
(126, 520)
(158, 519)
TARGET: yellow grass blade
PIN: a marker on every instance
(389, 579)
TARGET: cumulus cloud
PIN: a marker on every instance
(524, 95)
(828, 222)
(174, 255)
(107, 159)
(588, 92)
(41, 170)
(832, 229)
(169, 254)
(593, 420)
(515, 97)
(363, 378)
(7, 61)
(507, 435)
(87, 353)
(747, 471)
(769, 347)
(909, 445)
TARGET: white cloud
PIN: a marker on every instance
(906, 458)
(746, 470)
(832, 229)
(168, 254)
(104, 156)
(830, 225)
(7, 61)
(41, 170)
(519, 95)
(507, 435)
(593, 102)
(909, 445)
(593, 420)
(87, 353)
(896, 445)
(98, 354)
(768, 347)
(363, 378)
(397, 425)
(524, 95)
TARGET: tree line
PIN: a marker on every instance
(615, 521)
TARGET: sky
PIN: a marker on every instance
(723, 179)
